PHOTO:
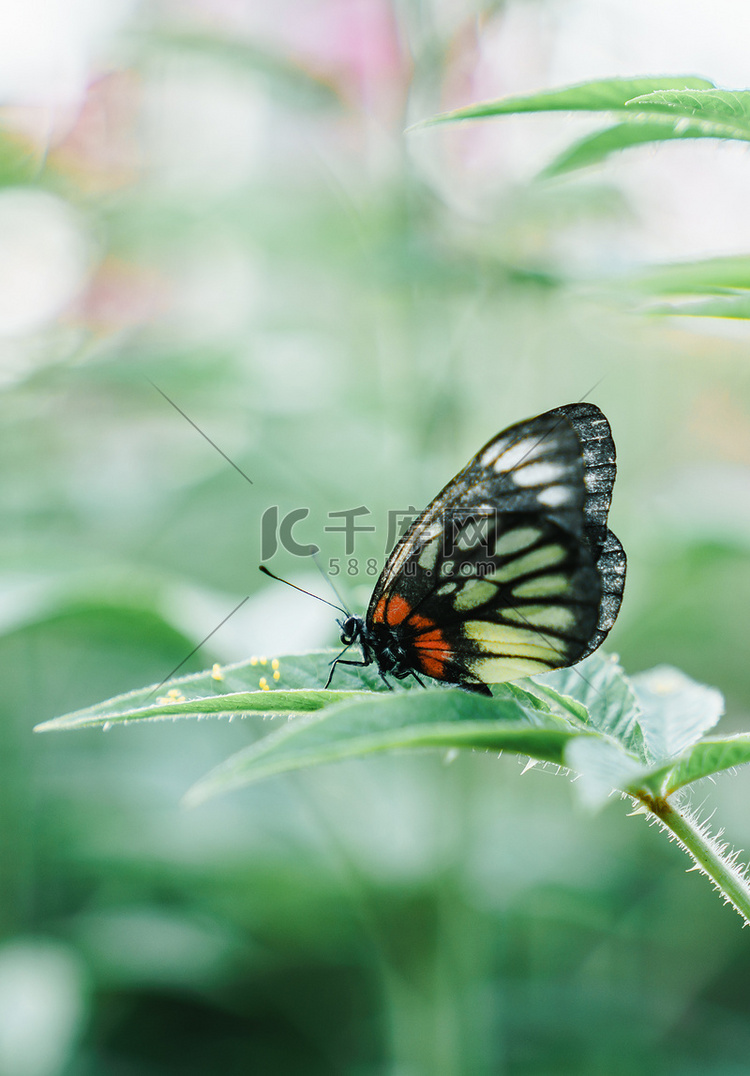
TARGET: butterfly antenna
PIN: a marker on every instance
(330, 582)
(262, 568)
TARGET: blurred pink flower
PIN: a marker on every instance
(121, 296)
(353, 42)
(353, 45)
(100, 149)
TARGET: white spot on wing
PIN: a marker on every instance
(475, 592)
(431, 530)
(554, 496)
(428, 556)
(539, 474)
(515, 540)
(534, 561)
(544, 587)
(555, 617)
(516, 454)
(493, 452)
(486, 631)
(498, 670)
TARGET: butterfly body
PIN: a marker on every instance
(387, 648)
(511, 570)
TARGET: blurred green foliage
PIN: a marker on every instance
(348, 318)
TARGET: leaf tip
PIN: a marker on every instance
(195, 796)
(431, 121)
(47, 726)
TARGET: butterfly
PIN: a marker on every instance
(511, 570)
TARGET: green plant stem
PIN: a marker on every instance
(709, 856)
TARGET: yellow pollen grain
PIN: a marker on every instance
(275, 663)
(216, 673)
(263, 661)
(253, 661)
(277, 675)
(263, 684)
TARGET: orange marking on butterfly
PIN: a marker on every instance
(432, 649)
(398, 609)
(432, 640)
(433, 666)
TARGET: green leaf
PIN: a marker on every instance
(544, 718)
(239, 691)
(241, 703)
(726, 112)
(712, 287)
(676, 710)
(734, 306)
(597, 693)
(672, 711)
(432, 718)
(701, 760)
(606, 95)
(652, 110)
(716, 276)
(597, 147)
(602, 767)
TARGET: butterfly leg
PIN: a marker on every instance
(343, 661)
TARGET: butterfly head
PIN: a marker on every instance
(351, 629)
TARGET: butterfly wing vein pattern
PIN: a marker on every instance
(512, 569)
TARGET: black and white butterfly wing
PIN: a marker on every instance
(512, 569)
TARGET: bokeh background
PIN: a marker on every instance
(218, 197)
